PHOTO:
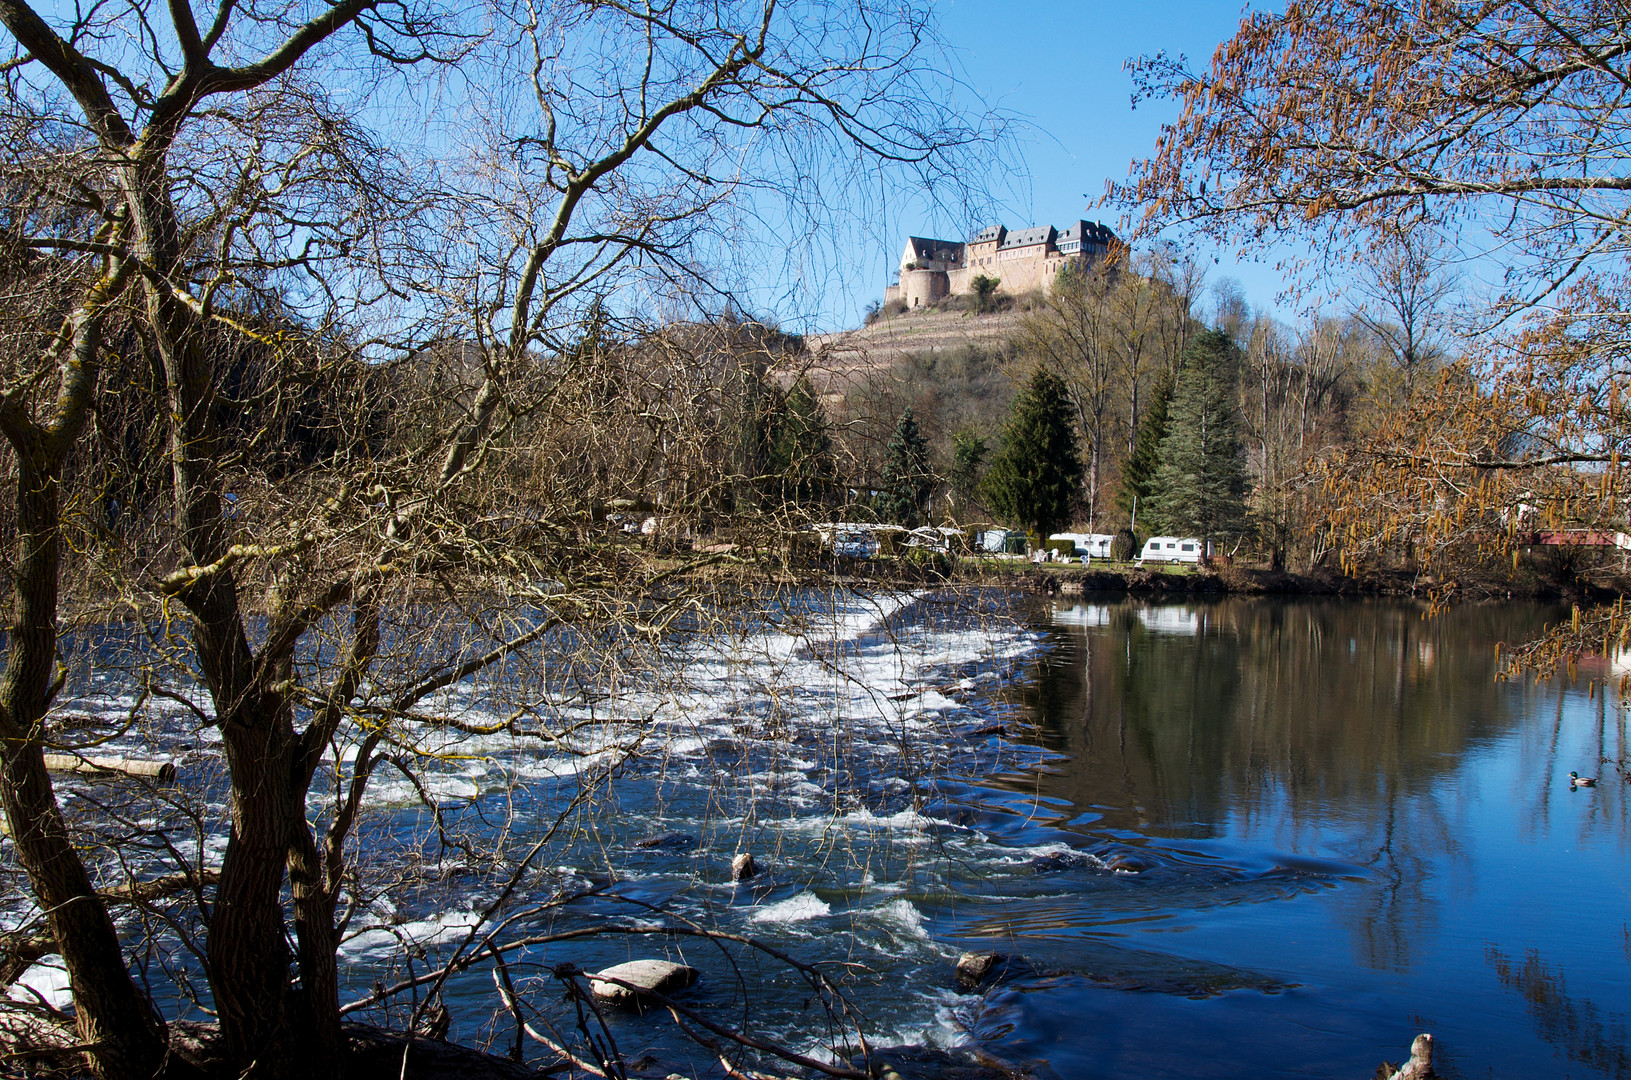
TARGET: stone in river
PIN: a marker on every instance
(973, 967)
(673, 841)
(643, 977)
(925, 1063)
(743, 867)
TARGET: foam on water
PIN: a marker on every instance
(814, 744)
(444, 928)
(904, 916)
(795, 909)
(47, 979)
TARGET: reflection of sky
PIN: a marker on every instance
(1490, 902)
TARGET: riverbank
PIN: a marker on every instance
(1068, 579)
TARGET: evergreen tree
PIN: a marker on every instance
(756, 416)
(967, 459)
(1038, 467)
(799, 448)
(1138, 473)
(1200, 483)
(907, 481)
(985, 293)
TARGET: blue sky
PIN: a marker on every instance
(1059, 66)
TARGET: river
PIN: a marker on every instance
(1248, 838)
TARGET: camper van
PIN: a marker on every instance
(1094, 545)
(1181, 549)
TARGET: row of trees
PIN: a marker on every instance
(1403, 135)
(1172, 426)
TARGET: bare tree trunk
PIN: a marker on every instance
(111, 1014)
(248, 958)
(316, 944)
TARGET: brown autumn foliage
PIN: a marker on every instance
(1499, 128)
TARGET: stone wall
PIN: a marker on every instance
(1030, 274)
(919, 288)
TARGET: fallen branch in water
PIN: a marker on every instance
(162, 771)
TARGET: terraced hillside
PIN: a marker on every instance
(838, 360)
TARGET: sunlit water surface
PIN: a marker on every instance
(1242, 839)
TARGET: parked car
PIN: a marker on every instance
(855, 544)
(1179, 549)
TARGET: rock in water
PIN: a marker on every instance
(673, 841)
(743, 867)
(1418, 1067)
(643, 977)
(973, 967)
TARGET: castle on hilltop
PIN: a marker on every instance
(1021, 261)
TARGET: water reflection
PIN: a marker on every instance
(1575, 1025)
(1283, 721)
(1178, 718)
(1339, 798)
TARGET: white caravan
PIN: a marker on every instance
(1181, 549)
(1096, 545)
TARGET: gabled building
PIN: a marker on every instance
(1022, 261)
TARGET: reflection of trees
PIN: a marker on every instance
(1270, 708)
(1395, 912)
(1270, 714)
(1575, 1026)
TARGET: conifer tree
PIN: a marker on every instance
(967, 459)
(1138, 473)
(1038, 467)
(907, 481)
(758, 418)
(799, 447)
(1200, 483)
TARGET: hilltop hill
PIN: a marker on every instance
(841, 359)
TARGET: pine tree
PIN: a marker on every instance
(1037, 470)
(757, 416)
(907, 481)
(968, 452)
(1200, 483)
(1138, 473)
(798, 448)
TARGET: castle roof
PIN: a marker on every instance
(1089, 231)
(1038, 234)
(926, 248)
(990, 232)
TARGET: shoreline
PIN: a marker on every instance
(1064, 579)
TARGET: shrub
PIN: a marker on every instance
(985, 293)
(1124, 548)
(934, 563)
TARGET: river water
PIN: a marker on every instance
(1247, 838)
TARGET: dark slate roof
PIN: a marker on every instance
(990, 232)
(1090, 231)
(1038, 234)
(926, 248)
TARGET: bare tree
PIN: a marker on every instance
(217, 186)
(1497, 126)
(1408, 289)
(1073, 333)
